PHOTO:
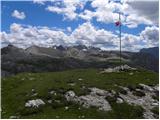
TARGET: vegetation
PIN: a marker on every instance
(17, 90)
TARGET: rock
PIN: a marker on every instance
(34, 103)
(96, 98)
(146, 87)
(155, 104)
(131, 73)
(82, 116)
(70, 95)
(31, 78)
(33, 90)
(80, 79)
(113, 92)
(72, 84)
(49, 101)
(118, 69)
(13, 117)
(97, 91)
(148, 115)
(52, 92)
(57, 117)
(119, 100)
(97, 101)
(66, 108)
(35, 94)
(146, 102)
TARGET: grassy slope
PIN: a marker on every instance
(16, 91)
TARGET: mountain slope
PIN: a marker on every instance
(40, 59)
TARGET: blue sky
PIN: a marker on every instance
(59, 17)
(45, 18)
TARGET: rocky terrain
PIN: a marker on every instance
(39, 59)
(118, 92)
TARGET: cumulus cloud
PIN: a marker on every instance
(85, 34)
(18, 15)
(67, 8)
(134, 12)
(41, 2)
(141, 12)
(150, 36)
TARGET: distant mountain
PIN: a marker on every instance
(40, 59)
(153, 51)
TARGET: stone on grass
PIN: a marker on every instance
(34, 103)
(146, 87)
(119, 100)
(13, 117)
(80, 79)
(96, 98)
(71, 84)
(49, 101)
(131, 73)
(66, 107)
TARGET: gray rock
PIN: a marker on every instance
(13, 117)
(119, 100)
(34, 103)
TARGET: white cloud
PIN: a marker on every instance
(141, 12)
(86, 34)
(69, 29)
(67, 8)
(41, 2)
(18, 15)
(134, 12)
(150, 36)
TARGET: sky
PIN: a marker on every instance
(80, 22)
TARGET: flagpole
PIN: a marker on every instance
(120, 37)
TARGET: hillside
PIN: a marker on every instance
(39, 59)
(54, 90)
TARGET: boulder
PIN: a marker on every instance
(34, 103)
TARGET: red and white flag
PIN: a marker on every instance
(117, 23)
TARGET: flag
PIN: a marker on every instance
(117, 23)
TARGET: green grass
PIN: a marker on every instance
(16, 91)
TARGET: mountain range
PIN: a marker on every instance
(58, 58)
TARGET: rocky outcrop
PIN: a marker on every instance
(118, 69)
(146, 101)
(34, 103)
(95, 99)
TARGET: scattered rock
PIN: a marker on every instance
(131, 73)
(66, 108)
(34, 103)
(72, 84)
(13, 117)
(82, 116)
(57, 117)
(118, 69)
(49, 101)
(80, 79)
(31, 78)
(143, 98)
(35, 94)
(70, 95)
(98, 91)
(97, 101)
(119, 100)
(146, 87)
(96, 98)
(33, 90)
(52, 92)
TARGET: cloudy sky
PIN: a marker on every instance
(85, 22)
